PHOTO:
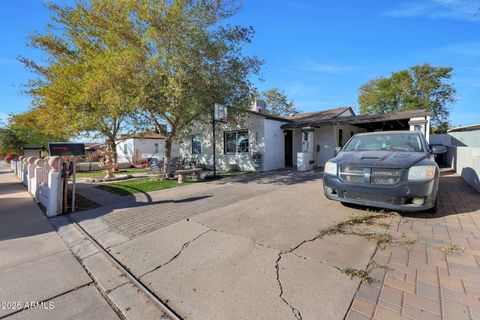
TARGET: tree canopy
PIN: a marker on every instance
(419, 87)
(112, 65)
(22, 129)
(278, 102)
(184, 76)
(10, 143)
(85, 83)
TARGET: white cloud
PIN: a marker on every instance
(8, 61)
(465, 50)
(468, 10)
(301, 89)
(314, 66)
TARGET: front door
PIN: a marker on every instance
(288, 148)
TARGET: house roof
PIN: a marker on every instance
(465, 128)
(318, 115)
(33, 146)
(149, 135)
(270, 116)
(91, 145)
(361, 119)
(145, 135)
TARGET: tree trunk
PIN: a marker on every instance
(115, 155)
(110, 161)
(168, 158)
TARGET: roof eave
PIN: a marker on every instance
(269, 116)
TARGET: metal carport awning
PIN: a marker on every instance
(385, 121)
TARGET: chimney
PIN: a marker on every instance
(259, 106)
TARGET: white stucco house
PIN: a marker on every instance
(305, 141)
(143, 146)
(238, 143)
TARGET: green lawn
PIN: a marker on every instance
(128, 187)
(101, 174)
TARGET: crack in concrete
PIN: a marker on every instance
(295, 311)
(319, 235)
(240, 236)
(49, 299)
(105, 232)
(107, 292)
(184, 246)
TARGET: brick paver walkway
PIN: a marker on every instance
(437, 276)
(137, 221)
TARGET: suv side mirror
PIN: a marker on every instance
(337, 150)
(438, 149)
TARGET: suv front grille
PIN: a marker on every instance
(352, 174)
(383, 176)
(368, 197)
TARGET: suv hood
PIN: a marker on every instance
(382, 159)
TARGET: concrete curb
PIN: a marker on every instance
(122, 294)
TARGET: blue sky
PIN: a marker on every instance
(318, 52)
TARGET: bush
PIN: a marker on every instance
(9, 157)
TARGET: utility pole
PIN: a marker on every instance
(214, 145)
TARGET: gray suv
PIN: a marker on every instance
(392, 169)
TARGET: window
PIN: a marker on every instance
(236, 142)
(196, 144)
(340, 137)
(125, 148)
(157, 149)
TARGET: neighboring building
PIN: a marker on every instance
(143, 146)
(305, 140)
(94, 151)
(463, 152)
(33, 150)
(468, 136)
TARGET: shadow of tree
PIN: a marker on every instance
(279, 177)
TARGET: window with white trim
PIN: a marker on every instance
(236, 142)
(196, 144)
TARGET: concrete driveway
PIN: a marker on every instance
(252, 247)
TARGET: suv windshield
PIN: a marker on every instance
(408, 142)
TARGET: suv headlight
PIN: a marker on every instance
(330, 168)
(421, 173)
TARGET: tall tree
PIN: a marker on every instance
(419, 87)
(173, 60)
(29, 129)
(184, 76)
(441, 128)
(22, 129)
(10, 142)
(278, 102)
(86, 81)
